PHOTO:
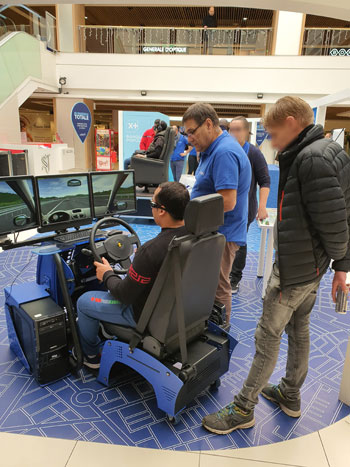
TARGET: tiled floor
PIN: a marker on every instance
(327, 448)
(82, 410)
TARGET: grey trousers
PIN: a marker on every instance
(288, 310)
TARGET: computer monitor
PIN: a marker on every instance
(64, 201)
(113, 192)
(17, 204)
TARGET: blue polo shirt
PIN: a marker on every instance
(179, 149)
(225, 166)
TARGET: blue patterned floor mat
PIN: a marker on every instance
(82, 409)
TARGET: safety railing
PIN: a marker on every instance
(326, 41)
(176, 41)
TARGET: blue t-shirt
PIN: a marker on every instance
(225, 166)
(179, 149)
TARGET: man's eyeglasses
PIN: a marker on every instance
(156, 205)
(192, 132)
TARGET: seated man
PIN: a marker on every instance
(146, 141)
(155, 148)
(125, 299)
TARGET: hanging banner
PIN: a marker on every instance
(81, 120)
(261, 134)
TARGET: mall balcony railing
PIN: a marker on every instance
(326, 41)
(176, 41)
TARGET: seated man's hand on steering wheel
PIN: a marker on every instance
(101, 268)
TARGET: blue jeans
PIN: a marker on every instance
(177, 168)
(97, 306)
(127, 162)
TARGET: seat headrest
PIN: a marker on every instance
(204, 214)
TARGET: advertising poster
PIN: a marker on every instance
(81, 120)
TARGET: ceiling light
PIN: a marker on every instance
(245, 19)
(86, 17)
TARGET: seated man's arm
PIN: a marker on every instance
(155, 154)
(139, 276)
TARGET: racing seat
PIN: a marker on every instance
(174, 346)
(155, 171)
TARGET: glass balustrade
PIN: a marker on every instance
(332, 42)
(176, 41)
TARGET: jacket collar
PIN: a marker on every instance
(310, 134)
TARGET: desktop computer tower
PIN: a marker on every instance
(41, 330)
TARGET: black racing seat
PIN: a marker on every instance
(182, 297)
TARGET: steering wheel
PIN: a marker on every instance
(118, 246)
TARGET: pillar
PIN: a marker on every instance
(68, 19)
(84, 152)
(288, 31)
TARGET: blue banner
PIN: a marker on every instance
(81, 120)
(261, 134)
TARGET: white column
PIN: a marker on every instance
(68, 18)
(289, 29)
(321, 115)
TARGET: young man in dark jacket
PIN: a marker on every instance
(312, 228)
(125, 299)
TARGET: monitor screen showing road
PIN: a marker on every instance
(17, 205)
(113, 193)
(64, 200)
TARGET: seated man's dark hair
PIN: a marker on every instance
(174, 196)
(199, 112)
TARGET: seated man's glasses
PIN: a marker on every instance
(155, 205)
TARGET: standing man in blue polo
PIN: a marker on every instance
(181, 150)
(224, 168)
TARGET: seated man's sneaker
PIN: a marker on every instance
(90, 361)
(274, 394)
(228, 419)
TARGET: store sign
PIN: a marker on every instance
(164, 49)
(261, 134)
(340, 52)
(81, 120)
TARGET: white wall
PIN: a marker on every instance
(288, 35)
(9, 122)
(192, 78)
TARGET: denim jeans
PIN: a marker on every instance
(288, 309)
(127, 162)
(177, 168)
(97, 306)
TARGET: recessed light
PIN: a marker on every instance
(245, 19)
(86, 17)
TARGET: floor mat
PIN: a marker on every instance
(82, 409)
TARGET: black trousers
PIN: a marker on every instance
(192, 165)
(239, 263)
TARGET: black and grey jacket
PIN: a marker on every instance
(313, 220)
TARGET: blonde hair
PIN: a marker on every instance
(289, 106)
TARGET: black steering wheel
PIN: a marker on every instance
(117, 246)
